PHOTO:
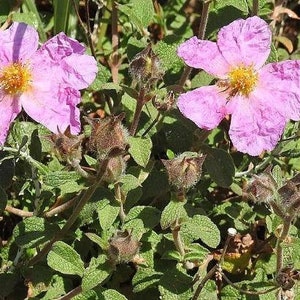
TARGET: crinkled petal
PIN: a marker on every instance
(256, 125)
(245, 42)
(59, 47)
(203, 55)
(52, 105)
(205, 106)
(9, 108)
(79, 70)
(283, 79)
(18, 43)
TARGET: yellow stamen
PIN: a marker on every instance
(15, 78)
(242, 80)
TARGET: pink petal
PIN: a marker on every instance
(18, 43)
(53, 106)
(59, 47)
(256, 125)
(283, 79)
(203, 55)
(79, 70)
(205, 106)
(9, 108)
(245, 42)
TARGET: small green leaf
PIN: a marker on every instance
(63, 258)
(107, 215)
(102, 77)
(140, 150)
(149, 215)
(219, 165)
(173, 211)
(112, 295)
(97, 271)
(201, 227)
(34, 231)
(129, 182)
(58, 178)
(145, 278)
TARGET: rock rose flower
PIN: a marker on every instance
(260, 98)
(45, 82)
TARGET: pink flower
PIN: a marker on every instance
(260, 98)
(45, 82)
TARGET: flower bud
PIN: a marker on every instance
(114, 169)
(123, 247)
(145, 67)
(109, 136)
(185, 170)
(261, 188)
(166, 104)
(67, 146)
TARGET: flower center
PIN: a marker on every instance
(15, 78)
(242, 80)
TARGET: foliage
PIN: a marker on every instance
(100, 216)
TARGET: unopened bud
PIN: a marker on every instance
(185, 170)
(67, 146)
(166, 104)
(115, 168)
(262, 188)
(123, 247)
(109, 136)
(145, 67)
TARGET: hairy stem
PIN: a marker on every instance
(87, 194)
(138, 110)
(115, 43)
(201, 34)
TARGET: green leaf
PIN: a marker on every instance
(196, 253)
(61, 15)
(145, 278)
(175, 284)
(140, 150)
(149, 215)
(129, 182)
(102, 77)
(239, 4)
(97, 271)
(173, 211)
(64, 259)
(140, 14)
(34, 231)
(201, 227)
(59, 178)
(219, 165)
(7, 169)
(57, 287)
(112, 295)
(107, 215)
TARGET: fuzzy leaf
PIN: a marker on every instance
(34, 231)
(107, 215)
(201, 227)
(140, 150)
(64, 259)
(96, 273)
(58, 178)
(173, 211)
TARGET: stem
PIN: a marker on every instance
(115, 43)
(138, 110)
(177, 239)
(204, 280)
(201, 34)
(255, 8)
(18, 212)
(287, 221)
(71, 294)
(86, 29)
(119, 198)
(88, 193)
